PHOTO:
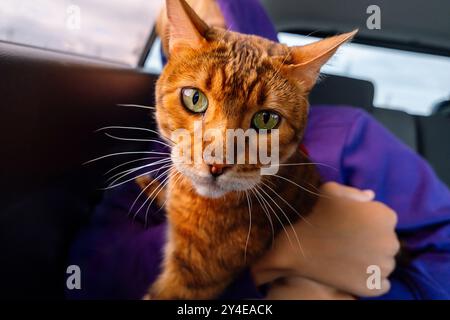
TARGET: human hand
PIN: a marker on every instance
(347, 232)
(299, 288)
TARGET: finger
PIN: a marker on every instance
(339, 190)
(384, 288)
(360, 195)
(387, 268)
(387, 216)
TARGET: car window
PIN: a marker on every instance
(154, 63)
(114, 30)
(403, 80)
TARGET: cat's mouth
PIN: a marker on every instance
(215, 187)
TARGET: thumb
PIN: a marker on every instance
(339, 190)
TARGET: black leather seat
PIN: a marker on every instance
(338, 90)
(49, 110)
(402, 124)
(442, 108)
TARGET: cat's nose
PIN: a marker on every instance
(217, 169)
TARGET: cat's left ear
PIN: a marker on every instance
(186, 28)
(310, 58)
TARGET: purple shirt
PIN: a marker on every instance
(119, 258)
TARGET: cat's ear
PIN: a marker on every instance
(186, 28)
(310, 58)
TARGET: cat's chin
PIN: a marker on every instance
(209, 191)
(216, 190)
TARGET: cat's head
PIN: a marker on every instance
(216, 79)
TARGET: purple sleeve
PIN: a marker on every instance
(118, 258)
(374, 159)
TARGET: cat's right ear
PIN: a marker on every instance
(185, 27)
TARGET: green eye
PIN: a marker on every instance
(266, 120)
(194, 100)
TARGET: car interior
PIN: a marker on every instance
(53, 102)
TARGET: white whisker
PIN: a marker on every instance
(132, 128)
(139, 140)
(139, 196)
(287, 203)
(162, 186)
(175, 182)
(249, 225)
(127, 128)
(126, 153)
(306, 164)
(135, 170)
(167, 167)
(153, 192)
(129, 162)
(276, 216)
(136, 106)
(129, 171)
(289, 221)
(266, 212)
(142, 192)
(301, 187)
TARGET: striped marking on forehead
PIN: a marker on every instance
(240, 71)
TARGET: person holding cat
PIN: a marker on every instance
(352, 230)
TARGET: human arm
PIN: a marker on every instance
(406, 183)
(344, 234)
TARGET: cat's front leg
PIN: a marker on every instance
(189, 274)
(170, 286)
(176, 282)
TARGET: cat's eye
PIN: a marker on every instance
(194, 100)
(266, 120)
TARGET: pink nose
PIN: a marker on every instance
(217, 169)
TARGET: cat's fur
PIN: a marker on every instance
(209, 242)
